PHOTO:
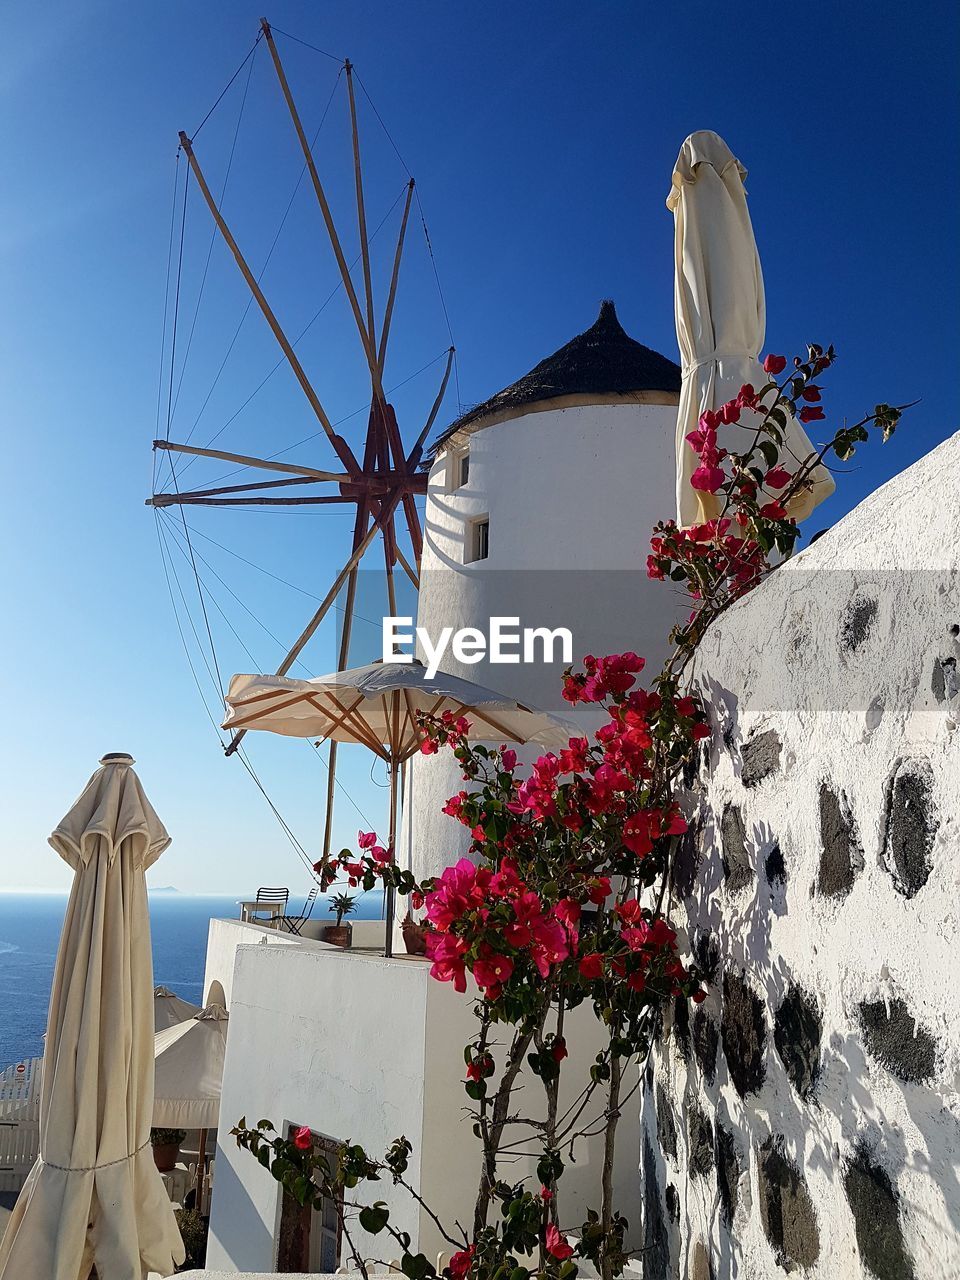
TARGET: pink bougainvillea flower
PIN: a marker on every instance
(302, 1138)
(447, 954)
(366, 839)
(774, 365)
(661, 935)
(460, 1263)
(773, 511)
(777, 477)
(636, 937)
(811, 394)
(492, 970)
(810, 413)
(558, 1050)
(509, 760)
(591, 966)
(599, 889)
(707, 479)
(428, 746)
(556, 1244)
(546, 1193)
(381, 855)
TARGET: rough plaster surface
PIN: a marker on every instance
(843, 1163)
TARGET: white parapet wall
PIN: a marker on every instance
(365, 1049)
(807, 1117)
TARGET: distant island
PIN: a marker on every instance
(166, 888)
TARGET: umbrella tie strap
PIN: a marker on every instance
(714, 357)
(92, 1168)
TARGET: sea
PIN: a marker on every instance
(30, 927)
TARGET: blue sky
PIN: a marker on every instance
(542, 138)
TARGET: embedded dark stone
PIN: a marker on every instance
(909, 826)
(700, 1140)
(700, 1268)
(775, 868)
(857, 623)
(876, 1219)
(666, 1128)
(681, 1026)
(903, 1047)
(797, 1028)
(673, 1202)
(706, 1041)
(733, 837)
(656, 1243)
(706, 952)
(759, 758)
(841, 858)
(945, 681)
(687, 860)
(743, 1033)
(728, 1173)
(786, 1210)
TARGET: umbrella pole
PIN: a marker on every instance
(391, 892)
(201, 1157)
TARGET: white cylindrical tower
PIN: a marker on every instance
(539, 508)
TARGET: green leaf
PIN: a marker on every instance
(374, 1217)
(770, 452)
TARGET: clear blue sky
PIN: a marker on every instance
(542, 137)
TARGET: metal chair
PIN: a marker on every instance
(270, 899)
(293, 924)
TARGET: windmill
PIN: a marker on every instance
(382, 483)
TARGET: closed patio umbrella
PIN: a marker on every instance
(188, 1074)
(377, 706)
(94, 1197)
(169, 1009)
(721, 315)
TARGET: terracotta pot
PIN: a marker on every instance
(165, 1157)
(338, 935)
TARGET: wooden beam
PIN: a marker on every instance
(172, 499)
(191, 500)
(365, 337)
(262, 464)
(361, 208)
(392, 295)
(343, 450)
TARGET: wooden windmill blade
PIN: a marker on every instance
(388, 478)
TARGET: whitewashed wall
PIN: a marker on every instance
(808, 1119)
(571, 495)
(365, 1049)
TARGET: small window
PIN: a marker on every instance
(478, 540)
(458, 469)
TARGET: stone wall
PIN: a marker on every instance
(806, 1118)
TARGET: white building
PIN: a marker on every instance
(539, 507)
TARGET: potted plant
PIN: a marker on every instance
(339, 934)
(166, 1147)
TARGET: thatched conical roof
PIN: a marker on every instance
(603, 360)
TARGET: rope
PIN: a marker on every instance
(227, 87)
(166, 306)
(297, 40)
(91, 1168)
(176, 301)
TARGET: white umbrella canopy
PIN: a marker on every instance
(94, 1197)
(376, 705)
(720, 315)
(189, 1071)
(169, 1009)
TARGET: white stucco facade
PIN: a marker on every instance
(364, 1049)
(570, 495)
(822, 1133)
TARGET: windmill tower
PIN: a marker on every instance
(540, 502)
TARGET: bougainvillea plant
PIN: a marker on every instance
(561, 901)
